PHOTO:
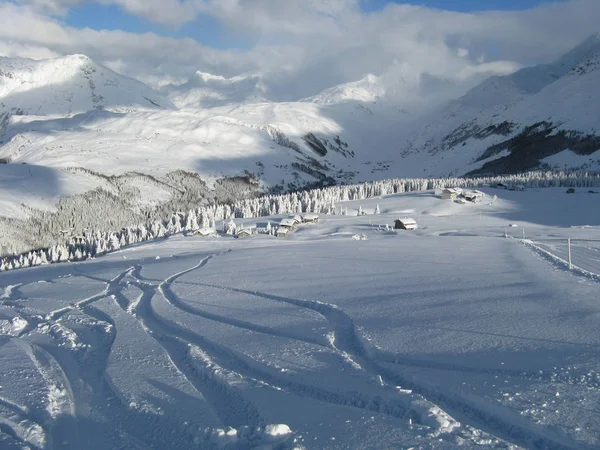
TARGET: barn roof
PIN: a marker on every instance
(407, 221)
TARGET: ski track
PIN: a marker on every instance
(165, 289)
(111, 286)
(14, 431)
(209, 367)
(236, 364)
(230, 406)
(95, 379)
(591, 382)
(18, 426)
(507, 426)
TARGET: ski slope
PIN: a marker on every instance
(451, 336)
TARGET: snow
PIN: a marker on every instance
(70, 85)
(451, 336)
(567, 158)
(72, 112)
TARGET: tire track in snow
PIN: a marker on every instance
(505, 425)
(204, 375)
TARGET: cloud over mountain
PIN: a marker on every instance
(300, 48)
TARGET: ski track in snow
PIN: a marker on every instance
(347, 339)
(210, 368)
(165, 331)
(230, 406)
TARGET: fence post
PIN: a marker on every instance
(570, 264)
(523, 236)
(505, 232)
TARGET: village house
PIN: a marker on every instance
(246, 232)
(451, 193)
(297, 219)
(405, 223)
(282, 232)
(288, 223)
(205, 232)
(310, 218)
(473, 196)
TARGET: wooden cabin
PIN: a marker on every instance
(405, 223)
(246, 232)
(205, 232)
(283, 232)
(288, 223)
(450, 193)
(310, 218)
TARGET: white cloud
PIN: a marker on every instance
(302, 46)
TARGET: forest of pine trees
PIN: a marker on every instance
(94, 243)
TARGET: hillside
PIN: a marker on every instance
(342, 335)
(70, 112)
(519, 122)
(70, 85)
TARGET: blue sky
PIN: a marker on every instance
(208, 31)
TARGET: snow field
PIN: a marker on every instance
(449, 336)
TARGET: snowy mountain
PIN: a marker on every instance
(70, 85)
(366, 90)
(205, 90)
(515, 123)
(544, 116)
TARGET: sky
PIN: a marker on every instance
(299, 47)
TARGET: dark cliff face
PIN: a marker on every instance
(531, 145)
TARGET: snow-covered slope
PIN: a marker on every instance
(70, 85)
(532, 114)
(317, 341)
(205, 90)
(366, 90)
(352, 132)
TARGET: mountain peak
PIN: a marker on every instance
(69, 85)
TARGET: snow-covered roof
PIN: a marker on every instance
(287, 223)
(407, 221)
(296, 218)
(453, 190)
(205, 232)
(311, 216)
(475, 193)
(283, 230)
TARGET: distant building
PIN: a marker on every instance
(473, 196)
(405, 223)
(450, 193)
(282, 231)
(205, 232)
(310, 218)
(288, 223)
(244, 233)
(297, 219)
